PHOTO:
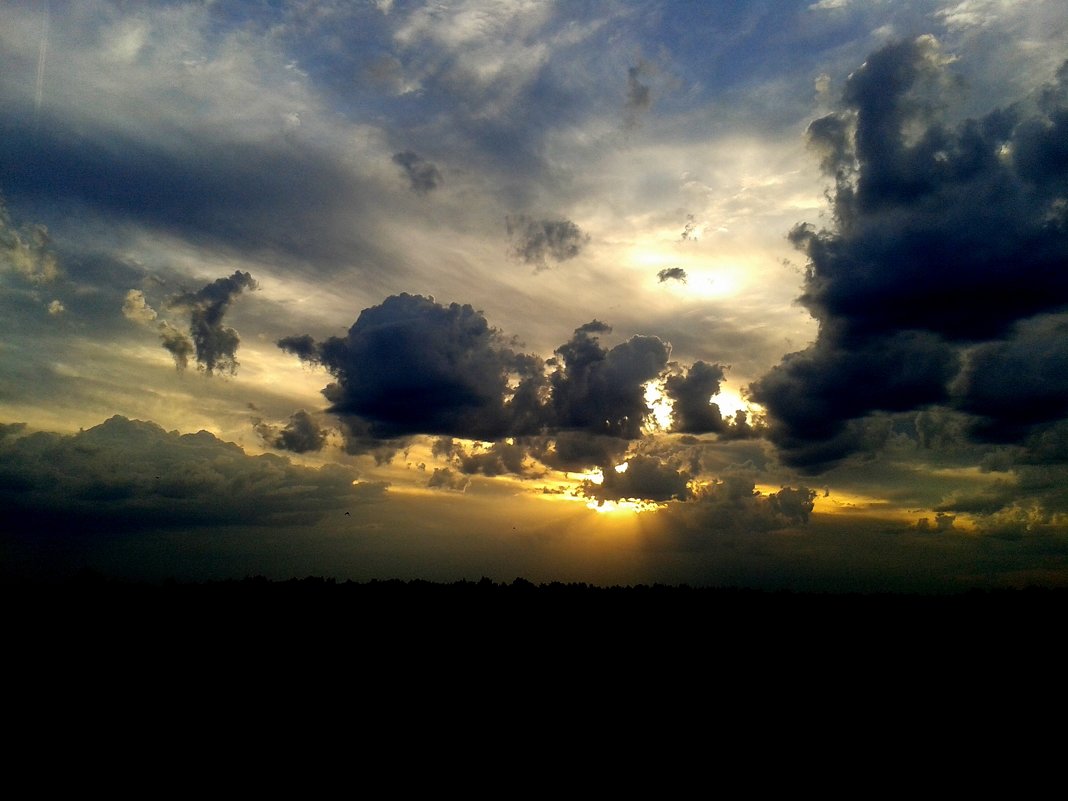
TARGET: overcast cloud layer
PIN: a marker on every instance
(760, 293)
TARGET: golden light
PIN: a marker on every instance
(659, 405)
(627, 505)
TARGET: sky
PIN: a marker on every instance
(751, 294)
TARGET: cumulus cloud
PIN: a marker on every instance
(176, 343)
(602, 391)
(413, 366)
(11, 429)
(125, 475)
(135, 307)
(643, 478)
(422, 174)
(536, 242)
(579, 450)
(26, 251)
(672, 274)
(215, 344)
(300, 435)
(499, 458)
(693, 411)
(947, 239)
(444, 478)
(732, 505)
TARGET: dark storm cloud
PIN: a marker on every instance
(644, 478)
(422, 174)
(602, 391)
(127, 475)
(692, 411)
(1015, 384)
(412, 366)
(537, 241)
(579, 450)
(300, 435)
(215, 343)
(946, 239)
(303, 347)
(672, 274)
(498, 459)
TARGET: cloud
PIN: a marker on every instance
(947, 240)
(643, 478)
(26, 251)
(1019, 383)
(11, 429)
(692, 411)
(422, 174)
(639, 95)
(672, 274)
(500, 458)
(444, 478)
(176, 343)
(136, 308)
(128, 475)
(691, 231)
(537, 241)
(602, 391)
(56, 307)
(300, 435)
(732, 505)
(579, 450)
(413, 366)
(215, 343)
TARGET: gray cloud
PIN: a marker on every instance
(672, 274)
(136, 308)
(538, 241)
(693, 411)
(644, 478)
(423, 175)
(26, 251)
(578, 450)
(215, 343)
(732, 505)
(600, 390)
(176, 343)
(300, 435)
(412, 366)
(126, 475)
(11, 429)
(444, 478)
(500, 458)
(639, 95)
(946, 239)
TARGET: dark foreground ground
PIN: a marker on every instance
(513, 651)
(564, 622)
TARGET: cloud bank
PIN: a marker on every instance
(941, 282)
